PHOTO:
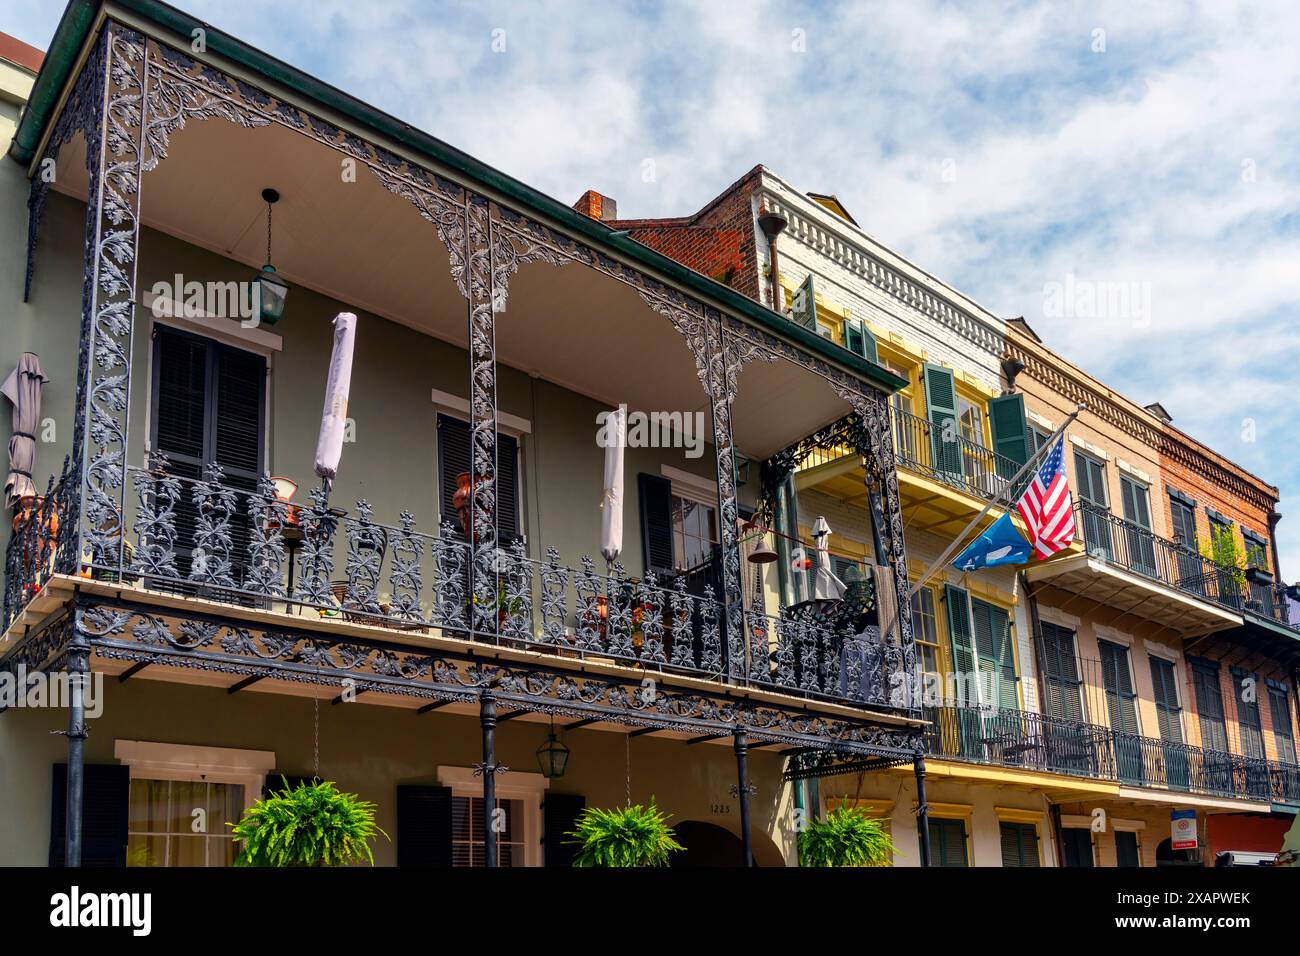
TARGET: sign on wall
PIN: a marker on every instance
(1183, 835)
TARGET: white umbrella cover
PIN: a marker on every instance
(23, 389)
(333, 420)
(826, 586)
(611, 500)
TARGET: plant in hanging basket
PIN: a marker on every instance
(629, 836)
(847, 837)
(312, 825)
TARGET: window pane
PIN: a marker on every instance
(148, 806)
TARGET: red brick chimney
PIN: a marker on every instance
(596, 206)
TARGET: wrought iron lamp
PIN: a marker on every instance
(553, 756)
(272, 290)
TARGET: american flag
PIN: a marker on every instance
(1047, 507)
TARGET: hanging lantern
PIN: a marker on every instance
(552, 756)
(272, 290)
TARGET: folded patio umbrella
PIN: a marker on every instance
(611, 499)
(825, 585)
(23, 389)
(333, 420)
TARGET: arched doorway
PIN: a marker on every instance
(707, 844)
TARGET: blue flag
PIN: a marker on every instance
(1001, 543)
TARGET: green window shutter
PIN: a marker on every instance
(1137, 506)
(1005, 658)
(656, 500)
(1281, 711)
(1166, 695)
(1118, 683)
(859, 340)
(803, 305)
(957, 602)
(948, 842)
(1126, 848)
(1019, 844)
(1062, 669)
(1209, 703)
(941, 410)
(1010, 432)
(1248, 720)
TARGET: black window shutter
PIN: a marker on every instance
(559, 818)
(423, 826)
(106, 790)
(656, 496)
(454, 460)
(278, 782)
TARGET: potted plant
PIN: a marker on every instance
(847, 837)
(312, 825)
(629, 836)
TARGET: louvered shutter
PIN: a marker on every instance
(941, 409)
(424, 826)
(803, 305)
(1248, 721)
(559, 818)
(1004, 658)
(1166, 695)
(656, 499)
(454, 460)
(105, 803)
(1063, 699)
(947, 842)
(859, 340)
(1281, 713)
(1126, 849)
(1119, 687)
(1209, 704)
(957, 603)
(1019, 844)
(1010, 433)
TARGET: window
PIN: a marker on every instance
(1245, 686)
(971, 421)
(1019, 844)
(695, 532)
(1256, 550)
(467, 831)
(519, 820)
(1209, 703)
(1183, 514)
(1061, 672)
(908, 430)
(1280, 710)
(208, 406)
(181, 797)
(164, 813)
(1037, 439)
(1169, 712)
(1141, 551)
(925, 630)
(1092, 479)
(1091, 476)
(454, 461)
(1127, 851)
(1077, 844)
(948, 842)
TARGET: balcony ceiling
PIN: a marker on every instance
(360, 244)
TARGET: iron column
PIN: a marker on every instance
(742, 792)
(488, 719)
(922, 811)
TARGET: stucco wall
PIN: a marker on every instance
(370, 749)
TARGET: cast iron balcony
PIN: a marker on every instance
(1126, 545)
(208, 539)
(1029, 741)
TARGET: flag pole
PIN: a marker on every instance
(948, 552)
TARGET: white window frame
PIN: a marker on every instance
(528, 788)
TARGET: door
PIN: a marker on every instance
(1137, 512)
(208, 407)
(1091, 476)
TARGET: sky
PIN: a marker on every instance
(1124, 175)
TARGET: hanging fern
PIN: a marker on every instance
(631, 836)
(313, 825)
(847, 837)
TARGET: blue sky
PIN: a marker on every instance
(1002, 146)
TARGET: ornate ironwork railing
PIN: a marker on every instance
(1271, 601)
(1031, 741)
(205, 537)
(1129, 546)
(943, 455)
(40, 529)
